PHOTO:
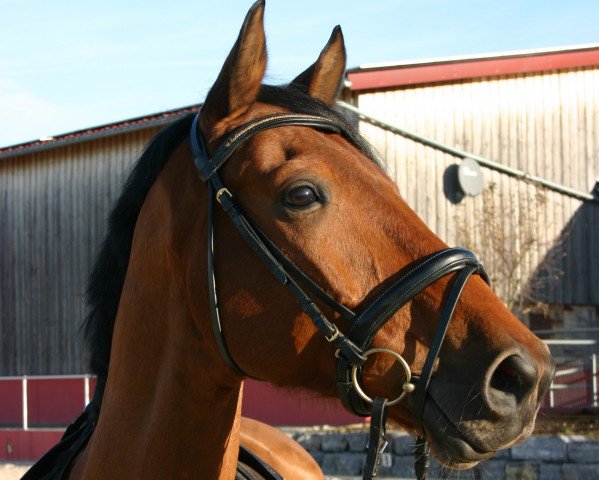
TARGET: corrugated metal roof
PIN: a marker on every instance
(132, 124)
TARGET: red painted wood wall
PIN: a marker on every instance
(54, 403)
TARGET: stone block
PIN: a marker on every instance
(310, 441)
(334, 443)
(490, 470)
(522, 471)
(580, 471)
(318, 456)
(403, 445)
(342, 463)
(403, 466)
(357, 441)
(550, 471)
(545, 448)
(584, 452)
(504, 454)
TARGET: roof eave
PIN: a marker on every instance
(463, 68)
(94, 133)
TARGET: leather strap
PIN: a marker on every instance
(422, 459)
(400, 289)
(302, 278)
(330, 331)
(418, 397)
(376, 440)
(217, 329)
(405, 287)
(240, 135)
(254, 462)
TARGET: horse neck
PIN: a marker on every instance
(170, 409)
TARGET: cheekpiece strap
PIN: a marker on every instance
(422, 458)
(376, 442)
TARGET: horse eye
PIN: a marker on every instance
(300, 196)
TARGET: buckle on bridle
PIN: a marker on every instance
(221, 192)
(333, 336)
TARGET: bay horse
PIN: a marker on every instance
(189, 298)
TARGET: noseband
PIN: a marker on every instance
(354, 347)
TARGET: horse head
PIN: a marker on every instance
(323, 199)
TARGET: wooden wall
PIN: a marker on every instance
(545, 124)
(53, 210)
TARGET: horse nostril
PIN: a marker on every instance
(511, 383)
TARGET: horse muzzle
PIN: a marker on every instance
(466, 420)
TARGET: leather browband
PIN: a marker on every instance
(240, 135)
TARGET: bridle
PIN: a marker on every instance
(354, 347)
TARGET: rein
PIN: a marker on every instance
(353, 348)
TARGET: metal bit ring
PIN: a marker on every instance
(408, 387)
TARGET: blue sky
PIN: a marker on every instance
(67, 65)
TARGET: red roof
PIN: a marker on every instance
(131, 124)
(388, 75)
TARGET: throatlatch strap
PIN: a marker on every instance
(376, 440)
(217, 328)
(422, 461)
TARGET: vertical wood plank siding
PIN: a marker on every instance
(53, 212)
(545, 124)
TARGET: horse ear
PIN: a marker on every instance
(322, 80)
(239, 81)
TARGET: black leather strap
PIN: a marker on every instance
(217, 329)
(405, 287)
(330, 331)
(376, 439)
(422, 459)
(419, 395)
(400, 289)
(240, 135)
(302, 278)
(264, 470)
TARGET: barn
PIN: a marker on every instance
(529, 122)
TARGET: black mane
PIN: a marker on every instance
(108, 275)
